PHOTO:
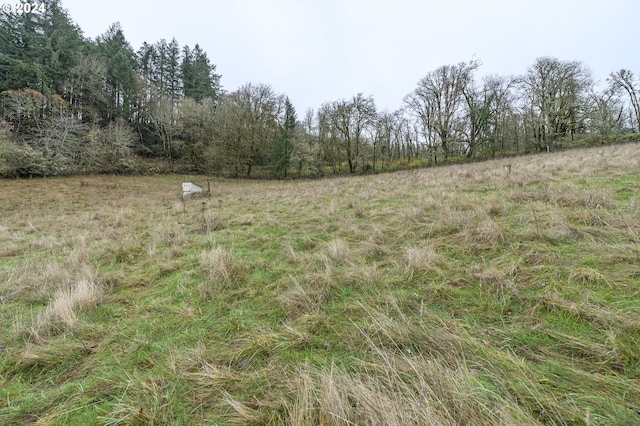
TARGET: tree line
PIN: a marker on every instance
(69, 104)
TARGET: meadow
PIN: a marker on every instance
(505, 292)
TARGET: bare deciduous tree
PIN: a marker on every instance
(624, 80)
(247, 120)
(605, 112)
(487, 107)
(555, 97)
(438, 100)
(350, 119)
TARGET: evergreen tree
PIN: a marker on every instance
(146, 58)
(198, 75)
(21, 40)
(186, 69)
(63, 46)
(161, 74)
(283, 143)
(159, 69)
(39, 50)
(121, 77)
(173, 72)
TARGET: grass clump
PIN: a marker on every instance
(422, 259)
(307, 297)
(62, 310)
(219, 268)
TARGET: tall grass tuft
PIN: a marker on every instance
(220, 269)
(305, 296)
(338, 251)
(413, 374)
(422, 258)
(61, 312)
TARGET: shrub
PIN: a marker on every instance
(21, 160)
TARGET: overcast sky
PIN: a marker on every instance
(318, 51)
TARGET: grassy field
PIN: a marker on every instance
(496, 293)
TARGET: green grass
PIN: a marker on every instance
(456, 295)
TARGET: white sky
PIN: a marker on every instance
(318, 51)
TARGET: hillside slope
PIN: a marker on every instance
(504, 292)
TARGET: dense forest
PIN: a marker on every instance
(69, 104)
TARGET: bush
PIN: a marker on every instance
(117, 147)
(100, 150)
(21, 160)
(109, 149)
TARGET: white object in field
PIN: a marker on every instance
(190, 188)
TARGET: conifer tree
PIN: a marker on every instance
(121, 78)
(198, 75)
(39, 50)
(283, 142)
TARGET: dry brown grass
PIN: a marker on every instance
(397, 390)
(32, 279)
(166, 235)
(305, 296)
(221, 270)
(61, 312)
(589, 307)
(483, 230)
(36, 278)
(588, 276)
(422, 259)
(291, 253)
(338, 252)
(400, 383)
